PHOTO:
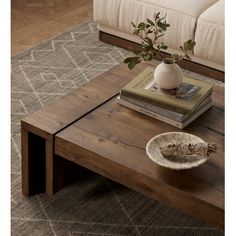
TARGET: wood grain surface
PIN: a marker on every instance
(111, 141)
(51, 119)
(90, 129)
(57, 115)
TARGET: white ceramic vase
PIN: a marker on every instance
(168, 76)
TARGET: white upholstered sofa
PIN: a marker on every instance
(201, 20)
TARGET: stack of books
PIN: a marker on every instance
(177, 107)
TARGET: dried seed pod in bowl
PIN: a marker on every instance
(187, 149)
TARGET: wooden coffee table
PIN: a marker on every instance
(87, 127)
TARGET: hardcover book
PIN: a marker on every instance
(163, 111)
(185, 98)
(165, 119)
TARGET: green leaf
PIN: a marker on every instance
(163, 17)
(161, 25)
(133, 62)
(132, 23)
(149, 41)
(187, 45)
(128, 59)
(150, 22)
(164, 47)
(156, 16)
(193, 43)
(131, 66)
(150, 31)
(147, 56)
(141, 25)
(160, 35)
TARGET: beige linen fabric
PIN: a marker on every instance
(192, 8)
(118, 14)
(210, 34)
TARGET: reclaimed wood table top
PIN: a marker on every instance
(89, 128)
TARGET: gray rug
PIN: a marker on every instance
(93, 205)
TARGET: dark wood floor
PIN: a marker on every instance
(35, 20)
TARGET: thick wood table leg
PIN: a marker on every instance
(33, 163)
(55, 170)
(60, 171)
(42, 171)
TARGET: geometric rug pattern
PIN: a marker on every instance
(93, 205)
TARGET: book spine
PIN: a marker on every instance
(197, 114)
(151, 114)
(154, 102)
(156, 109)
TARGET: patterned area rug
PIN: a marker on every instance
(93, 205)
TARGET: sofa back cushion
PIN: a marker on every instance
(210, 33)
(188, 7)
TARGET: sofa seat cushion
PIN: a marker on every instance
(182, 16)
(209, 34)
